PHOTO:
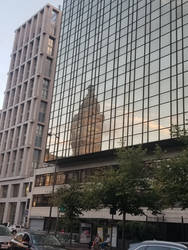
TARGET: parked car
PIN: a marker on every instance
(35, 240)
(184, 243)
(5, 237)
(157, 245)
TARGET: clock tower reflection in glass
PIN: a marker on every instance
(86, 127)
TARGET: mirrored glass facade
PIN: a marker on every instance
(122, 74)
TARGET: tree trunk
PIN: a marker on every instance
(123, 230)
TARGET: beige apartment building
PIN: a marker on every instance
(25, 113)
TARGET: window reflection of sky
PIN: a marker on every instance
(140, 83)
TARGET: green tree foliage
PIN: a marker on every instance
(172, 173)
(180, 134)
(172, 180)
(137, 189)
(69, 199)
(127, 188)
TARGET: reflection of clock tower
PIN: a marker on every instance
(86, 127)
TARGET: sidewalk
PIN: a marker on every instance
(77, 247)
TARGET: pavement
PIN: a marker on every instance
(77, 247)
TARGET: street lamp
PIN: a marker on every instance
(54, 182)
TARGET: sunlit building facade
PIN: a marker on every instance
(134, 54)
(121, 78)
(25, 113)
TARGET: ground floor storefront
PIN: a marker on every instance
(85, 229)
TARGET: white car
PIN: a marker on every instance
(157, 245)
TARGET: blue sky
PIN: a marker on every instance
(14, 13)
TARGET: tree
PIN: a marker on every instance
(69, 199)
(172, 180)
(136, 190)
(179, 134)
(127, 188)
(172, 173)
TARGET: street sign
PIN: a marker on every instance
(61, 209)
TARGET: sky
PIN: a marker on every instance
(14, 14)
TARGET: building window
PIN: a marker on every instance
(34, 66)
(20, 160)
(38, 138)
(24, 90)
(27, 111)
(48, 67)
(17, 97)
(47, 179)
(60, 178)
(54, 16)
(15, 76)
(42, 112)
(13, 61)
(19, 58)
(24, 132)
(1, 162)
(25, 189)
(36, 158)
(21, 113)
(11, 138)
(44, 180)
(15, 190)
(2, 209)
(50, 46)
(45, 87)
(6, 99)
(12, 212)
(17, 136)
(7, 163)
(21, 74)
(30, 50)
(13, 161)
(5, 140)
(9, 117)
(37, 45)
(12, 97)
(30, 92)
(9, 83)
(4, 191)
(42, 200)
(27, 70)
(14, 115)
(24, 54)
(1, 135)
(3, 120)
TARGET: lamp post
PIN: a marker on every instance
(53, 184)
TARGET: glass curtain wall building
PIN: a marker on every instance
(122, 74)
